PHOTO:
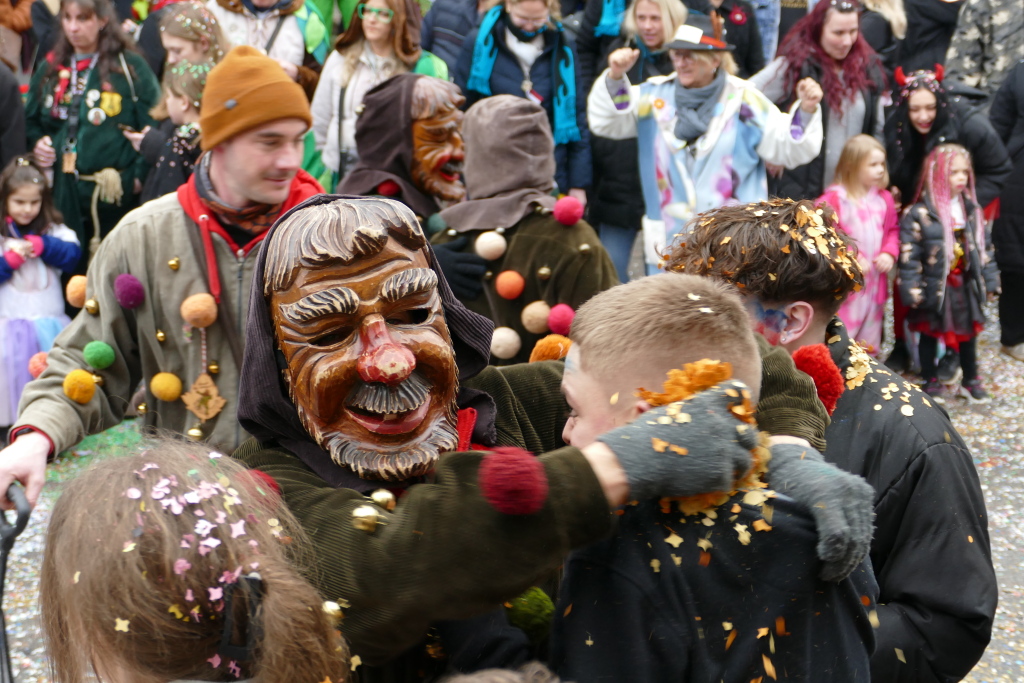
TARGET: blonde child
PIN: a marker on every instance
(174, 157)
(37, 248)
(947, 266)
(867, 213)
(177, 564)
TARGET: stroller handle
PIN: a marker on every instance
(8, 532)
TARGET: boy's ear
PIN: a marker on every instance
(639, 408)
(799, 320)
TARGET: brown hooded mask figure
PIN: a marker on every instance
(358, 318)
(410, 144)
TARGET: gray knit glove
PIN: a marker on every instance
(685, 448)
(840, 502)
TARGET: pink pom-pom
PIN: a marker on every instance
(128, 291)
(560, 319)
(37, 363)
(513, 481)
(568, 210)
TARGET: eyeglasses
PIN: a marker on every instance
(381, 14)
(532, 22)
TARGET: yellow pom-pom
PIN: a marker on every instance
(551, 347)
(199, 310)
(165, 386)
(79, 386)
(75, 291)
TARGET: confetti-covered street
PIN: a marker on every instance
(993, 431)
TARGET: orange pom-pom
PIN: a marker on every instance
(37, 363)
(199, 310)
(509, 284)
(551, 347)
(79, 386)
(75, 291)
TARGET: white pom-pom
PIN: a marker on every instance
(505, 343)
(535, 317)
(490, 245)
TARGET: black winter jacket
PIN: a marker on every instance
(922, 252)
(1007, 115)
(445, 28)
(741, 31)
(669, 599)
(930, 27)
(617, 198)
(572, 160)
(12, 118)
(808, 181)
(592, 50)
(931, 551)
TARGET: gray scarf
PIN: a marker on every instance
(695, 106)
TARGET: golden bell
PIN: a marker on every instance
(141, 408)
(96, 378)
(384, 498)
(365, 518)
(174, 263)
(161, 336)
(213, 368)
(584, 248)
(196, 433)
(92, 306)
(488, 275)
(544, 273)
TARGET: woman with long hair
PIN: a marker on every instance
(617, 205)
(827, 45)
(382, 40)
(884, 25)
(521, 49)
(182, 31)
(89, 88)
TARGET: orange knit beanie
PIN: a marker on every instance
(244, 91)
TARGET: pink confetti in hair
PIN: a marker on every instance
(221, 517)
(234, 669)
(150, 466)
(216, 593)
(133, 493)
(214, 661)
(192, 497)
(181, 565)
(187, 540)
(238, 528)
(189, 596)
(215, 455)
(203, 527)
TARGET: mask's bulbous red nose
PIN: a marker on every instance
(382, 359)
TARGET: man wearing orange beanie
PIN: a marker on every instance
(199, 245)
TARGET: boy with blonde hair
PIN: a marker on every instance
(718, 588)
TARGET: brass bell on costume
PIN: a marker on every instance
(213, 368)
(384, 498)
(174, 263)
(366, 518)
(92, 306)
(544, 273)
(584, 248)
(196, 433)
(161, 336)
(141, 408)
(97, 378)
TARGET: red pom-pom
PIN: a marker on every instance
(513, 481)
(560, 319)
(389, 188)
(816, 361)
(568, 210)
(128, 291)
(262, 477)
(37, 363)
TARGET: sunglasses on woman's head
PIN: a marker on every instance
(381, 14)
(843, 5)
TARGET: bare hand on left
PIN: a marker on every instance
(809, 93)
(579, 194)
(884, 263)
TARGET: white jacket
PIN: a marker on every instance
(246, 29)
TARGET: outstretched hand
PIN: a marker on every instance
(620, 61)
(24, 461)
(840, 502)
(687, 447)
(809, 93)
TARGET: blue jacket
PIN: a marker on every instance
(56, 253)
(572, 160)
(445, 28)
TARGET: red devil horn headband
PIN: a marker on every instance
(900, 77)
(939, 72)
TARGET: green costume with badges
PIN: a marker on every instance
(103, 106)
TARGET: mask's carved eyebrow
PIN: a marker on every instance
(319, 304)
(408, 282)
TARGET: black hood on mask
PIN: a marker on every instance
(264, 407)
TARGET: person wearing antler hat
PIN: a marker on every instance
(704, 136)
(924, 117)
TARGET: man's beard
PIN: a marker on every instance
(388, 463)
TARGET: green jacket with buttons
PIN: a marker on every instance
(119, 100)
(560, 265)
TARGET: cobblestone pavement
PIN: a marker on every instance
(994, 431)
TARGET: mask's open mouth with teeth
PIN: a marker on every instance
(385, 409)
(451, 170)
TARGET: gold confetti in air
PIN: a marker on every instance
(762, 632)
(355, 662)
(878, 406)
(614, 399)
(659, 445)
(121, 625)
(873, 619)
(899, 655)
(589, 640)
(970, 539)
(769, 668)
(907, 410)
(674, 539)
(693, 297)
(77, 576)
(761, 525)
(744, 535)
(705, 309)
(567, 610)
(656, 565)
(675, 558)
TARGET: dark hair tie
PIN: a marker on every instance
(253, 631)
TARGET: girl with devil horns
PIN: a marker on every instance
(927, 115)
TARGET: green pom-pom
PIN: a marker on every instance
(436, 224)
(99, 355)
(531, 612)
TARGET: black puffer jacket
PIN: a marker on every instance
(617, 198)
(930, 553)
(1007, 117)
(741, 31)
(922, 252)
(930, 27)
(592, 50)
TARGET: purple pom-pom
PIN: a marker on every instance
(128, 291)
